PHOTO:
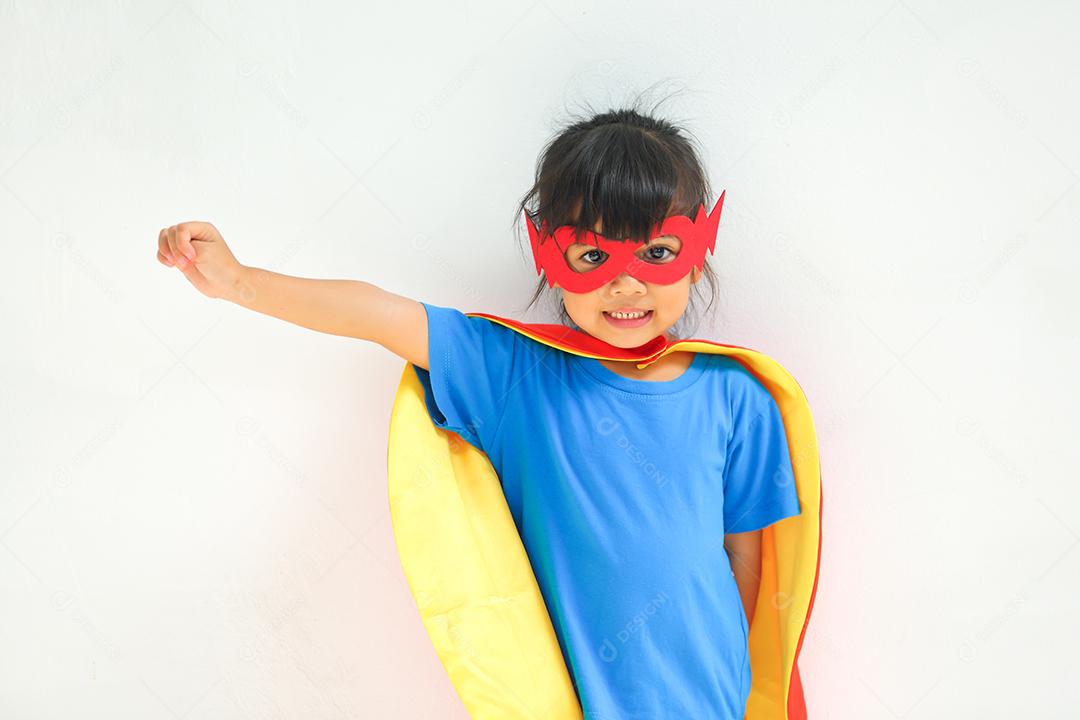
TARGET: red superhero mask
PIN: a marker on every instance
(697, 236)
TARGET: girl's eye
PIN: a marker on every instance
(661, 257)
(597, 261)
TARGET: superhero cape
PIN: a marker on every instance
(473, 583)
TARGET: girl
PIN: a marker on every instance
(640, 494)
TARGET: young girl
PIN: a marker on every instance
(640, 494)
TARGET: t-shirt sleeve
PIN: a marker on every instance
(759, 483)
(471, 363)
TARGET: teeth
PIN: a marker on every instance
(627, 316)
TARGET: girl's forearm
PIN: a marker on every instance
(748, 580)
(338, 307)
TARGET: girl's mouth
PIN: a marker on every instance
(628, 322)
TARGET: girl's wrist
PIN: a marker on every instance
(242, 289)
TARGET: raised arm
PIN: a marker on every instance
(350, 308)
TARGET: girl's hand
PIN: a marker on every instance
(199, 251)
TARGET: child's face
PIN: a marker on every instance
(589, 310)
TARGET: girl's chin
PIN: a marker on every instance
(625, 338)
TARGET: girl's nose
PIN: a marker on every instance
(626, 281)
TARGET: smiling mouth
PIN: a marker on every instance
(624, 321)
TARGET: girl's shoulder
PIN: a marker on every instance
(738, 382)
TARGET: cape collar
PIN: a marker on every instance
(581, 343)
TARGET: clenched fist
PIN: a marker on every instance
(199, 251)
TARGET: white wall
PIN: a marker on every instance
(193, 511)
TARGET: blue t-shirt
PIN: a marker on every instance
(622, 491)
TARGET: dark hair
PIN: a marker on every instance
(625, 168)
